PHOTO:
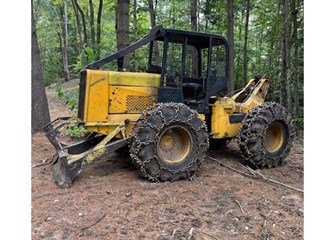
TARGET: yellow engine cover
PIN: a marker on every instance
(111, 97)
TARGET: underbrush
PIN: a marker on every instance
(70, 96)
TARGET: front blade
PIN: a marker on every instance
(63, 173)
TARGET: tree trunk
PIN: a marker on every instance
(122, 29)
(207, 11)
(193, 8)
(283, 90)
(198, 16)
(245, 50)
(135, 34)
(277, 60)
(98, 47)
(288, 59)
(92, 24)
(78, 27)
(230, 36)
(83, 22)
(239, 56)
(152, 13)
(64, 35)
(194, 27)
(296, 58)
(39, 103)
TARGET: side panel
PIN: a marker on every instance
(220, 124)
(97, 96)
(126, 99)
(108, 98)
(134, 79)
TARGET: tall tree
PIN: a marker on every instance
(193, 8)
(194, 27)
(92, 23)
(122, 28)
(296, 57)
(39, 103)
(230, 36)
(245, 49)
(283, 89)
(152, 13)
(64, 40)
(98, 43)
(135, 34)
(78, 27)
(288, 59)
(82, 14)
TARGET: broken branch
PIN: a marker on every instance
(239, 205)
(255, 175)
(99, 219)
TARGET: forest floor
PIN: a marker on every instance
(109, 199)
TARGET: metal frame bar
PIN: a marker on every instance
(155, 33)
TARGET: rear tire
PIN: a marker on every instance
(266, 135)
(169, 142)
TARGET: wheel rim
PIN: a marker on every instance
(174, 145)
(274, 138)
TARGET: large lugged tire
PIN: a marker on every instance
(169, 142)
(266, 135)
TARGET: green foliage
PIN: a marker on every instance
(264, 37)
(90, 53)
(77, 132)
(299, 119)
(69, 96)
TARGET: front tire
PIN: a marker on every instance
(169, 142)
(266, 135)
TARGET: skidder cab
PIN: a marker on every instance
(169, 114)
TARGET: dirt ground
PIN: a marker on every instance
(109, 199)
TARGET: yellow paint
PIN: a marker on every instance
(134, 79)
(174, 145)
(274, 137)
(121, 117)
(97, 95)
(127, 99)
(241, 102)
(202, 117)
(220, 125)
(99, 149)
(256, 97)
(112, 123)
(112, 97)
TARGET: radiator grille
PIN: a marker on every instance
(137, 104)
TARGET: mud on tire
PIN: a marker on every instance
(266, 135)
(169, 142)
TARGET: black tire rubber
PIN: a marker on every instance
(150, 128)
(123, 152)
(252, 135)
(218, 144)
